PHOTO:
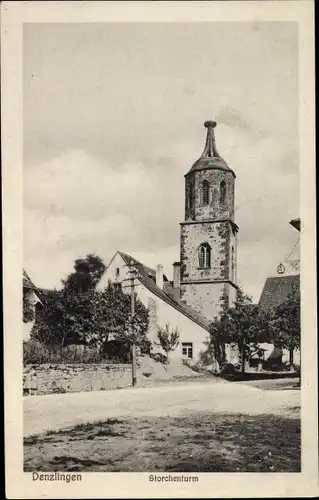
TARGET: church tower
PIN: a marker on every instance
(208, 246)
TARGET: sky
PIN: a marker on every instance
(113, 120)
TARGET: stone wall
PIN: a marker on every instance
(207, 290)
(214, 209)
(206, 298)
(58, 378)
(218, 235)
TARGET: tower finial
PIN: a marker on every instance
(210, 146)
(210, 124)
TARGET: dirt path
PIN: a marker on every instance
(52, 412)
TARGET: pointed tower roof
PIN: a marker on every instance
(210, 158)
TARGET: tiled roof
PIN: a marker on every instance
(27, 283)
(147, 271)
(146, 275)
(174, 293)
(210, 164)
(277, 289)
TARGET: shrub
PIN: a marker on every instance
(80, 354)
(168, 338)
(35, 352)
(28, 309)
(116, 350)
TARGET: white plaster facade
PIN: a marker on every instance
(161, 312)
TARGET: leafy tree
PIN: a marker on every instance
(70, 313)
(28, 309)
(66, 317)
(87, 273)
(88, 317)
(285, 324)
(116, 312)
(169, 339)
(243, 323)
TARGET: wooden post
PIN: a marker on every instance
(133, 350)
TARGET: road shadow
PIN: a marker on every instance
(201, 442)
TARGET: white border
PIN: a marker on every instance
(136, 485)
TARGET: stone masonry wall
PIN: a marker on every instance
(47, 379)
(213, 209)
(206, 298)
(217, 234)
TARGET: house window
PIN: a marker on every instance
(118, 286)
(222, 193)
(205, 193)
(117, 273)
(204, 255)
(187, 350)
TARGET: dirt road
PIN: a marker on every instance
(52, 412)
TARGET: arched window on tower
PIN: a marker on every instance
(222, 193)
(204, 255)
(205, 193)
(190, 195)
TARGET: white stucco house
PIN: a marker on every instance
(32, 296)
(161, 297)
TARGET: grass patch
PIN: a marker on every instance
(201, 442)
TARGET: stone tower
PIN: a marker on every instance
(208, 252)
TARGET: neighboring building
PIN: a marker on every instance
(31, 297)
(205, 277)
(287, 280)
(276, 290)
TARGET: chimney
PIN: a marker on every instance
(176, 274)
(159, 276)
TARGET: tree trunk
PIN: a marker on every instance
(243, 355)
(243, 358)
(61, 348)
(291, 357)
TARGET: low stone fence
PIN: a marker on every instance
(60, 378)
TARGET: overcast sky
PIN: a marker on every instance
(113, 119)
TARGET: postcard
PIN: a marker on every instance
(160, 334)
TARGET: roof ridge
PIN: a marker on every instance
(27, 278)
(150, 284)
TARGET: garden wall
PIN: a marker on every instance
(59, 378)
